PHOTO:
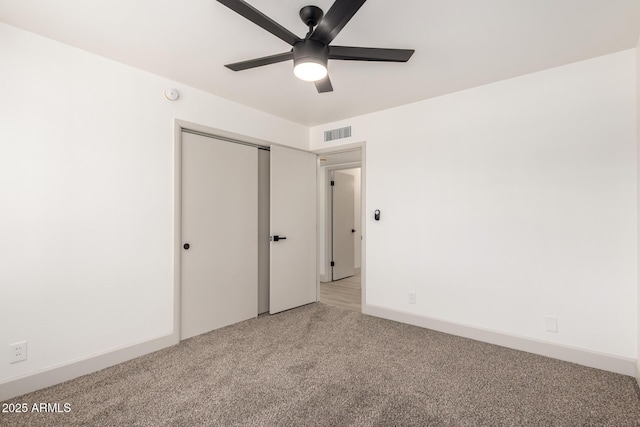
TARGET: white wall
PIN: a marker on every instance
(508, 202)
(86, 223)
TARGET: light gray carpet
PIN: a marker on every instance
(322, 365)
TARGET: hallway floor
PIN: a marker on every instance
(345, 293)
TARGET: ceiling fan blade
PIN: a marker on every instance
(259, 62)
(335, 19)
(324, 85)
(369, 54)
(262, 20)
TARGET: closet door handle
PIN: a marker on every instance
(278, 238)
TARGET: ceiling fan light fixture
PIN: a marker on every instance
(311, 54)
(310, 60)
(310, 71)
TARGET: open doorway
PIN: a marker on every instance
(341, 229)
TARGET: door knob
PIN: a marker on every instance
(186, 246)
(278, 238)
(353, 230)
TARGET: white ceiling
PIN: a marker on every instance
(459, 44)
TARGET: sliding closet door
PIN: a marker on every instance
(219, 267)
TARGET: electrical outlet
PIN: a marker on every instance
(551, 323)
(17, 352)
(412, 297)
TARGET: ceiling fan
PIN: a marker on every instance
(311, 54)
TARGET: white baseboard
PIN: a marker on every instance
(607, 362)
(59, 374)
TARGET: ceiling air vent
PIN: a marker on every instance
(333, 134)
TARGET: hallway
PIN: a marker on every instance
(345, 293)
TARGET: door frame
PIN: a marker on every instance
(326, 237)
(179, 126)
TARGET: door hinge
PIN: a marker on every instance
(333, 264)
(333, 183)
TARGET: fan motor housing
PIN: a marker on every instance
(310, 51)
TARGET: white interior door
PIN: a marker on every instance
(293, 257)
(342, 190)
(219, 283)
